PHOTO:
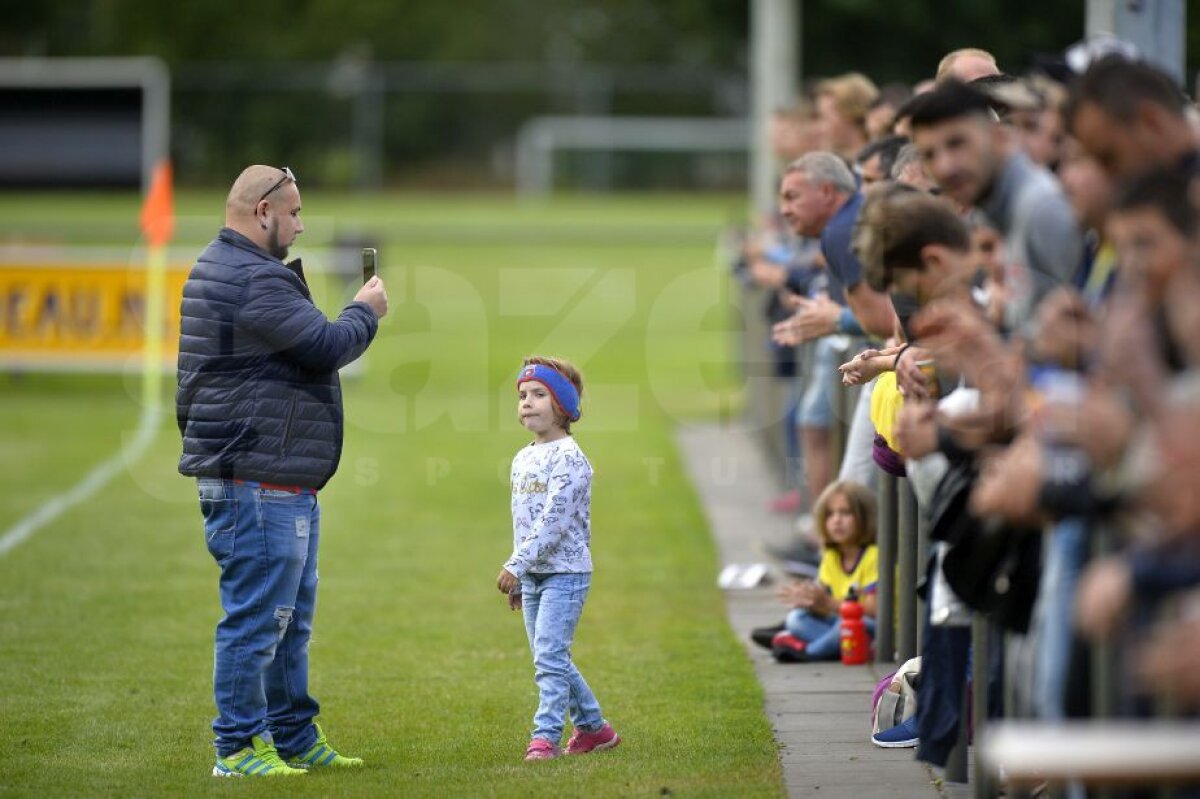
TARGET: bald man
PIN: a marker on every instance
(259, 406)
(966, 65)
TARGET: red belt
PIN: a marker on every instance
(276, 487)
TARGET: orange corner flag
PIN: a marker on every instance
(158, 209)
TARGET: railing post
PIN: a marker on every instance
(922, 563)
(842, 405)
(956, 763)
(906, 558)
(981, 782)
(885, 539)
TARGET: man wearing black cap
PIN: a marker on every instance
(975, 162)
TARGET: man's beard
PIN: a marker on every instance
(273, 245)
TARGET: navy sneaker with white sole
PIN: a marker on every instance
(902, 736)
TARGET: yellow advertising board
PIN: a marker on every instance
(59, 314)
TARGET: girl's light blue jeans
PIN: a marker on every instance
(552, 605)
(823, 634)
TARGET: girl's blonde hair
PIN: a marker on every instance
(862, 507)
(567, 370)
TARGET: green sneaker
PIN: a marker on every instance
(322, 755)
(259, 760)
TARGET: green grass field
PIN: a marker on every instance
(108, 611)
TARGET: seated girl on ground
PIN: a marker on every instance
(845, 520)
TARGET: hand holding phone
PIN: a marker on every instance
(373, 292)
(369, 255)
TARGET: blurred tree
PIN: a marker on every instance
(900, 40)
(223, 48)
(906, 41)
(667, 31)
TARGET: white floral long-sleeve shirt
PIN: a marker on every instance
(551, 509)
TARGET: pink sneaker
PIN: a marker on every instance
(583, 742)
(787, 648)
(541, 749)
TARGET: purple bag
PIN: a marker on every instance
(878, 692)
(894, 705)
(887, 458)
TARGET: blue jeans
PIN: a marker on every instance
(265, 542)
(1066, 552)
(816, 406)
(552, 605)
(945, 658)
(822, 634)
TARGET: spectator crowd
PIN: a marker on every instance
(1003, 272)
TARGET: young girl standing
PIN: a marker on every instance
(550, 570)
(845, 520)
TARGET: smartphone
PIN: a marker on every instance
(369, 255)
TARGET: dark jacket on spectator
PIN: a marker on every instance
(259, 396)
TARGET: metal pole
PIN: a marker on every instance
(773, 49)
(981, 783)
(837, 430)
(906, 557)
(922, 561)
(956, 763)
(774, 46)
(885, 539)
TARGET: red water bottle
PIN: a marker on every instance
(856, 646)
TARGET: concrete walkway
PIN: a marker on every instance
(820, 712)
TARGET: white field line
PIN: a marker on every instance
(96, 479)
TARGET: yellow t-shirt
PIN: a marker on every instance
(886, 402)
(865, 574)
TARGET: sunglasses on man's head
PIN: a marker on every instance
(287, 175)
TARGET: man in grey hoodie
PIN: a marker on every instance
(975, 161)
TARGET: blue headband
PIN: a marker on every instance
(561, 389)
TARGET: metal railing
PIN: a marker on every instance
(903, 542)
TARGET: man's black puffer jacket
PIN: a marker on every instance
(259, 396)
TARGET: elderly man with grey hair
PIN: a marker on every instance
(819, 196)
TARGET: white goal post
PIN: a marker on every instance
(541, 137)
(45, 138)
